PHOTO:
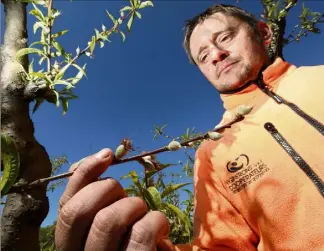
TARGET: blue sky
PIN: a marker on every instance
(145, 81)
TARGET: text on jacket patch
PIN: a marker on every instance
(245, 173)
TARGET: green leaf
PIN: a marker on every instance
(58, 34)
(36, 43)
(130, 22)
(55, 13)
(171, 188)
(62, 71)
(37, 13)
(63, 82)
(40, 25)
(126, 8)
(97, 33)
(133, 175)
(53, 97)
(38, 102)
(123, 35)
(145, 4)
(25, 51)
(58, 46)
(67, 94)
(80, 69)
(139, 15)
(41, 60)
(30, 66)
(180, 214)
(42, 76)
(79, 75)
(11, 164)
(153, 198)
(65, 105)
(57, 98)
(131, 191)
(111, 17)
(102, 44)
(92, 44)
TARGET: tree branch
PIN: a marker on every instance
(45, 181)
(298, 36)
(108, 31)
(35, 89)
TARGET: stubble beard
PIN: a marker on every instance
(241, 77)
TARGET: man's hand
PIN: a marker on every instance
(97, 214)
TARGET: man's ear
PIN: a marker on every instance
(265, 32)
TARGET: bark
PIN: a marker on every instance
(25, 210)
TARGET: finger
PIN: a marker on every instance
(88, 171)
(146, 233)
(165, 245)
(112, 222)
(77, 214)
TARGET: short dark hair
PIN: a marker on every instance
(226, 9)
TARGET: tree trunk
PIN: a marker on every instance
(24, 210)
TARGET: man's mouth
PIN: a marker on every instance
(226, 67)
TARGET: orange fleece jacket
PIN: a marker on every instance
(269, 204)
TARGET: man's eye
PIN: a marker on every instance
(225, 38)
(203, 58)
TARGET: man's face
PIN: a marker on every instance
(228, 52)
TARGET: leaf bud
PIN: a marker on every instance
(174, 145)
(244, 109)
(214, 135)
(120, 152)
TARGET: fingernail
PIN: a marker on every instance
(103, 154)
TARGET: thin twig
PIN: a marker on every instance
(289, 6)
(108, 31)
(137, 157)
(298, 36)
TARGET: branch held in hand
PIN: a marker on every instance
(213, 134)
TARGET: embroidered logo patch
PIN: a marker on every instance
(245, 173)
(236, 165)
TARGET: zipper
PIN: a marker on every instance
(313, 122)
(296, 157)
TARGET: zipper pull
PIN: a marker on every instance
(270, 127)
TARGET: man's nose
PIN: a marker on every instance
(218, 54)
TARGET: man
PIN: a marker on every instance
(259, 188)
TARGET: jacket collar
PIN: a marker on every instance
(271, 76)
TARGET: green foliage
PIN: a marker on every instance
(48, 49)
(276, 10)
(163, 197)
(309, 21)
(10, 164)
(161, 190)
(57, 163)
(47, 238)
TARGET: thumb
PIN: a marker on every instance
(165, 245)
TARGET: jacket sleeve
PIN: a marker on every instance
(217, 224)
